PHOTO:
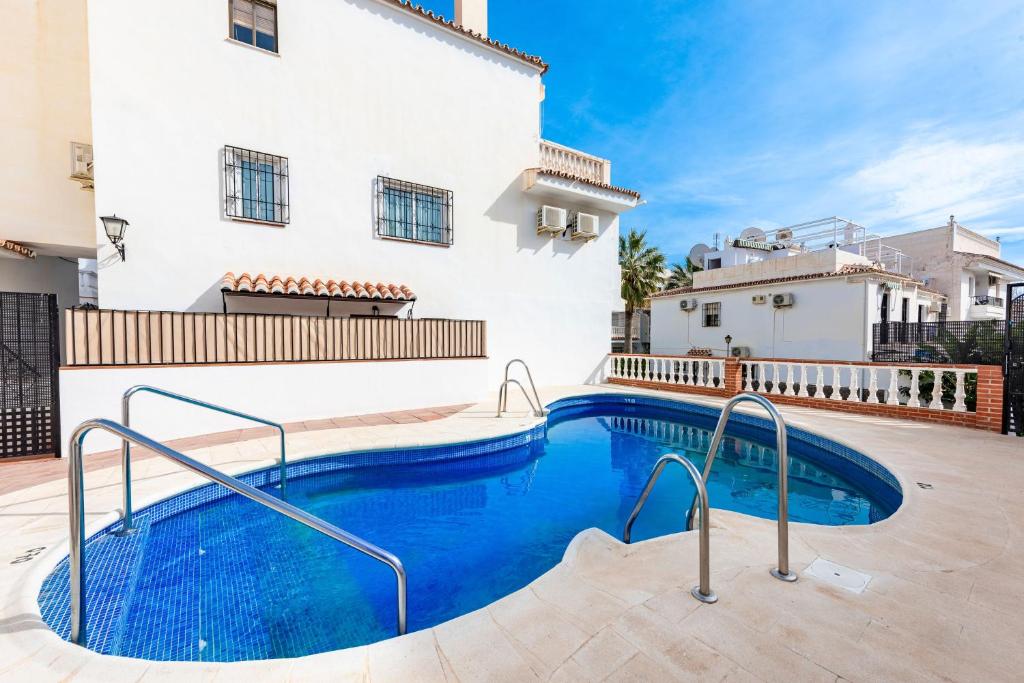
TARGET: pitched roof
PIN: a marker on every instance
(844, 271)
(419, 11)
(336, 289)
(579, 179)
(993, 259)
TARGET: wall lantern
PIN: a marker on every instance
(728, 345)
(114, 227)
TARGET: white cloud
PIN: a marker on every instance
(925, 180)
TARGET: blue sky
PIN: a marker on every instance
(729, 114)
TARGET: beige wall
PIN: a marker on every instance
(44, 88)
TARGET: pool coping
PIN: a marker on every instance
(21, 652)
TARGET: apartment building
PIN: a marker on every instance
(323, 158)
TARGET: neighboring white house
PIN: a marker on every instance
(963, 265)
(366, 152)
(810, 291)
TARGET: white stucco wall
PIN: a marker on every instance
(831, 319)
(44, 88)
(279, 392)
(360, 89)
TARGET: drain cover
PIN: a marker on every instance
(838, 575)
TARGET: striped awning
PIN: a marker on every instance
(303, 286)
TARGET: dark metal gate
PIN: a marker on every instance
(1013, 390)
(29, 360)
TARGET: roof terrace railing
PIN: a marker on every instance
(555, 157)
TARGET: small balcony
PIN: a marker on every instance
(566, 176)
(561, 159)
(986, 307)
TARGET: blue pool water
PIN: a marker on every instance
(211, 576)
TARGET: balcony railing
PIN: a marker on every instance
(708, 373)
(986, 300)
(555, 157)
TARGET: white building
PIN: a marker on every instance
(347, 144)
(811, 291)
(963, 265)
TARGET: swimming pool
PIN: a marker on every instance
(211, 576)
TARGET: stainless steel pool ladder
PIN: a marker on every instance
(76, 508)
(782, 571)
(538, 408)
(703, 591)
(126, 455)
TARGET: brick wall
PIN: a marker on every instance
(988, 415)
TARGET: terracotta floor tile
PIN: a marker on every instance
(23, 473)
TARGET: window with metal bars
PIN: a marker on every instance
(418, 213)
(254, 22)
(255, 185)
(712, 314)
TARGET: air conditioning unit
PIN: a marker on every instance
(740, 352)
(582, 226)
(783, 235)
(935, 308)
(81, 164)
(688, 305)
(782, 300)
(759, 299)
(551, 220)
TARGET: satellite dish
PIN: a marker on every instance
(696, 255)
(753, 235)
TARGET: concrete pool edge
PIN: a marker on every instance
(28, 650)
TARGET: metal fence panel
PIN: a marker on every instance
(29, 358)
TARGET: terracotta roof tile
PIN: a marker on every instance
(455, 28)
(579, 179)
(338, 289)
(986, 257)
(844, 271)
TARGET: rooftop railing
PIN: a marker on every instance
(555, 157)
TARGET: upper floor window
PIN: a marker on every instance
(255, 185)
(713, 314)
(254, 22)
(413, 212)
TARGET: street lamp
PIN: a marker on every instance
(728, 345)
(114, 228)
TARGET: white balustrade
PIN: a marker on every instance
(884, 384)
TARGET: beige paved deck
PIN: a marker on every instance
(946, 601)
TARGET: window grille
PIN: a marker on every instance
(418, 213)
(713, 314)
(254, 22)
(255, 185)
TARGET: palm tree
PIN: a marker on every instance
(642, 269)
(680, 275)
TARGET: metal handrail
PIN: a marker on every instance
(781, 572)
(126, 464)
(503, 397)
(538, 411)
(702, 592)
(76, 508)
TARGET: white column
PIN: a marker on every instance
(819, 381)
(893, 396)
(775, 379)
(854, 384)
(872, 384)
(837, 383)
(915, 389)
(936, 402)
(804, 373)
(961, 392)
